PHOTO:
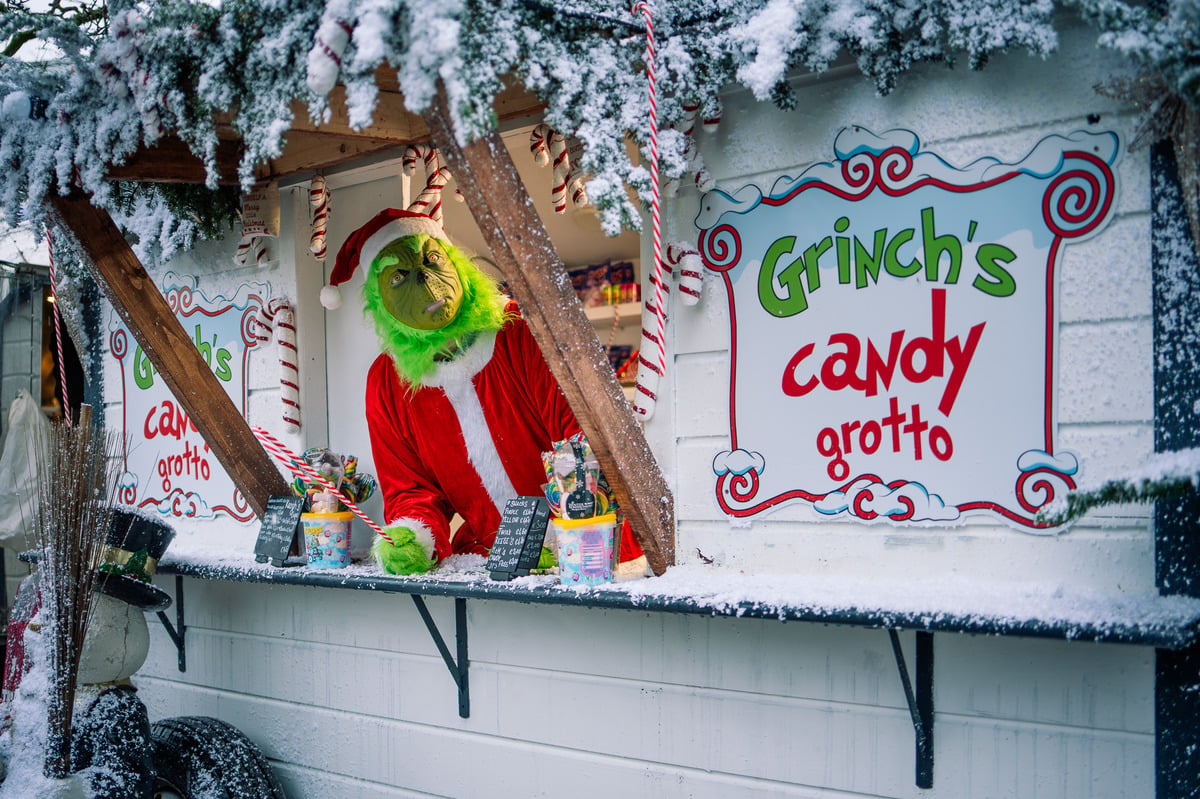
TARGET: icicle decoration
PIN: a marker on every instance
(318, 207)
(429, 201)
(277, 316)
(550, 146)
(325, 57)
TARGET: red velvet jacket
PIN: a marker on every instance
(467, 439)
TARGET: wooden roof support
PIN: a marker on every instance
(142, 307)
(526, 257)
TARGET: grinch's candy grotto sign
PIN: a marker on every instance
(893, 328)
(167, 465)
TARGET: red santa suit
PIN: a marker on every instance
(467, 439)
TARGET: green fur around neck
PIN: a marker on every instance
(415, 352)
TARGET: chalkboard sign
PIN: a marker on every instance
(277, 535)
(519, 540)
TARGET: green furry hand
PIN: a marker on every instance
(404, 555)
(547, 560)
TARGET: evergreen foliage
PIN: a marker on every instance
(246, 60)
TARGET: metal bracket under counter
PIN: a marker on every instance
(1176, 624)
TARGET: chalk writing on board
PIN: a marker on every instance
(277, 534)
(518, 542)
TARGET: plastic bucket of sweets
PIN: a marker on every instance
(327, 539)
(588, 549)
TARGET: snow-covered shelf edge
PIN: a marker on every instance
(935, 605)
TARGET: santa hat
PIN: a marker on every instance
(368, 241)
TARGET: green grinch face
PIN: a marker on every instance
(421, 289)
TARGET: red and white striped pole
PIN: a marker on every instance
(58, 339)
(299, 468)
(650, 368)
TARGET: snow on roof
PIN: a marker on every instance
(173, 66)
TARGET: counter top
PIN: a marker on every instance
(932, 605)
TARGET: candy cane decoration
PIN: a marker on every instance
(318, 207)
(325, 57)
(58, 338)
(695, 165)
(299, 468)
(120, 70)
(429, 201)
(277, 315)
(548, 145)
(685, 259)
(252, 249)
(646, 397)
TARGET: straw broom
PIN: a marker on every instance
(76, 480)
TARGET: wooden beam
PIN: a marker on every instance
(526, 257)
(170, 161)
(141, 306)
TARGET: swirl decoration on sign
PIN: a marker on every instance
(721, 247)
(118, 344)
(885, 171)
(1078, 200)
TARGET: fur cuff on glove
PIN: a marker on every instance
(410, 552)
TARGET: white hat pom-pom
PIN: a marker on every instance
(331, 297)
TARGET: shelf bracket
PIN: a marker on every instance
(458, 668)
(920, 701)
(177, 632)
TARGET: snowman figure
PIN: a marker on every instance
(112, 752)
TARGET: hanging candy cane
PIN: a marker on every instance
(695, 165)
(299, 468)
(325, 57)
(537, 143)
(684, 260)
(252, 249)
(58, 337)
(318, 206)
(654, 312)
(119, 69)
(277, 315)
(429, 201)
(548, 145)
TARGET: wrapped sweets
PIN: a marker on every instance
(341, 472)
(575, 486)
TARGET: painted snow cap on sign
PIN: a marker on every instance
(893, 328)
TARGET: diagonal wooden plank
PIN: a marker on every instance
(526, 257)
(142, 307)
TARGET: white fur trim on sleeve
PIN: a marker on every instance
(422, 533)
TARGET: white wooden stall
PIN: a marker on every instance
(348, 695)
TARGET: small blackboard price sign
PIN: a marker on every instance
(519, 540)
(278, 534)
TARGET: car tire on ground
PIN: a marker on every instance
(199, 756)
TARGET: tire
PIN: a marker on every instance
(202, 757)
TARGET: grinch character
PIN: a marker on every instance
(460, 405)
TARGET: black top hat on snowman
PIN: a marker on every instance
(133, 546)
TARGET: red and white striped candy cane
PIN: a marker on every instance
(649, 373)
(574, 175)
(695, 164)
(562, 170)
(429, 201)
(325, 58)
(299, 468)
(58, 338)
(684, 259)
(537, 143)
(318, 207)
(277, 315)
